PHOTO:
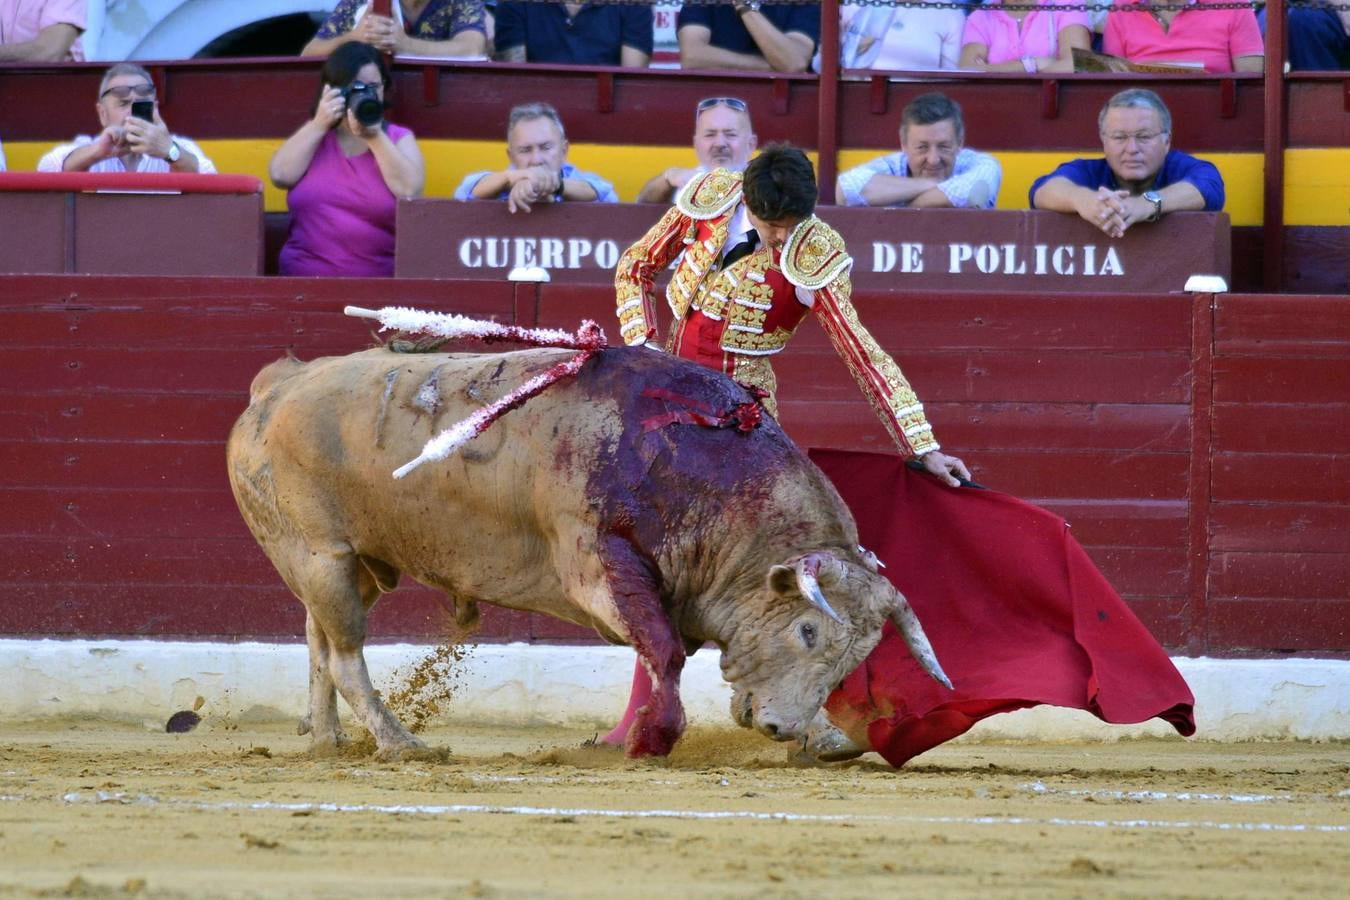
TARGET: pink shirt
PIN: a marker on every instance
(342, 215)
(21, 20)
(1038, 36)
(1214, 37)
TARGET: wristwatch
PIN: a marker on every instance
(174, 153)
(1156, 199)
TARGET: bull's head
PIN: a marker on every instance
(821, 616)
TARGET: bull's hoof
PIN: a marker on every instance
(648, 738)
(323, 746)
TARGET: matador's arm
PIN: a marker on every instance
(877, 375)
(637, 270)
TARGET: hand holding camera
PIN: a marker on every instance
(365, 108)
(330, 109)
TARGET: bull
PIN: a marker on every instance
(643, 498)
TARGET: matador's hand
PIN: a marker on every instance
(945, 467)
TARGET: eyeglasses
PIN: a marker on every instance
(142, 91)
(735, 103)
(1143, 138)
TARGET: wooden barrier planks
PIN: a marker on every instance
(1280, 540)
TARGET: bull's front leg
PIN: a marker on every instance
(631, 583)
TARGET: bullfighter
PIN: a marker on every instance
(756, 260)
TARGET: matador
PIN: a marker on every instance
(755, 260)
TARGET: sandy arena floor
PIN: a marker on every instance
(98, 809)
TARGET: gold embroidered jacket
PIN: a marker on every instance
(735, 318)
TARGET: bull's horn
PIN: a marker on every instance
(806, 569)
(919, 647)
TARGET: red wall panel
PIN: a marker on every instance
(117, 395)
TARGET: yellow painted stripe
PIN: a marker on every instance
(1317, 181)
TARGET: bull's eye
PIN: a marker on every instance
(807, 631)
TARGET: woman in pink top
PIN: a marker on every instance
(1223, 40)
(345, 175)
(999, 40)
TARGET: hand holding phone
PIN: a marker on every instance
(143, 110)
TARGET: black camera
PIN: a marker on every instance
(364, 102)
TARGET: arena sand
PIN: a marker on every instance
(104, 809)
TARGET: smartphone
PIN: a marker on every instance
(143, 109)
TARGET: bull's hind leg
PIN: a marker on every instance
(633, 590)
(322, 721)
(337, 592)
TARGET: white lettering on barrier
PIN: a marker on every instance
(911, 257)
(883, 256)
(577, 248)
(551, 253)
(524, 252)
(471, 252)
(606, 254)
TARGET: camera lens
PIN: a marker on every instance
(365, 104)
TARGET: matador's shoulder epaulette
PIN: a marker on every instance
(814, 255)
(710, 195)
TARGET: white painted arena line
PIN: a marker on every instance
(1037, 787)
(453, 809)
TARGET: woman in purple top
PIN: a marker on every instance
(1019, 40)
(345, 175)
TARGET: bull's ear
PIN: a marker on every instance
(782, 580)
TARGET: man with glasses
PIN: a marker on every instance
(723, 139)
(42, 30)
(1140, 179)
(127, 143)
(934, 168)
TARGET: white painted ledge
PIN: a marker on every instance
(523, 684)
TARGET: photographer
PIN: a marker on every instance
(345, 170)
(134, 137)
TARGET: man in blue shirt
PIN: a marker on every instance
(539, 171)
(1141, 177)
(749, 34)
(575, 33)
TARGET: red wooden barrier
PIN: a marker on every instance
(117, 394)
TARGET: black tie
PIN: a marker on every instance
(744, 248)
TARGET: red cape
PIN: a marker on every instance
(1017, 612)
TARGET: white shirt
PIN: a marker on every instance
(900, 38)
(55, 159)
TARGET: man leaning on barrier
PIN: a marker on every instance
(42, 30)
(539, 172)
(723, 139)
(128, 142)
(933, 167)
(1140, 178)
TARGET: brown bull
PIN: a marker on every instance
(641, 498)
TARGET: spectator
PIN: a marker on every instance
(1019, 40)
(539, 172)
(42, 30)
(1319, 37)
(900, 38)
(345, 172)
(1224, 40)
(1140, 179)
(723, 138)
(417, 28)
(575, 33)
(748, 34)
(127, 143)
(932, 169)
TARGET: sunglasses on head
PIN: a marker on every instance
(142, 91)
(735, 103)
